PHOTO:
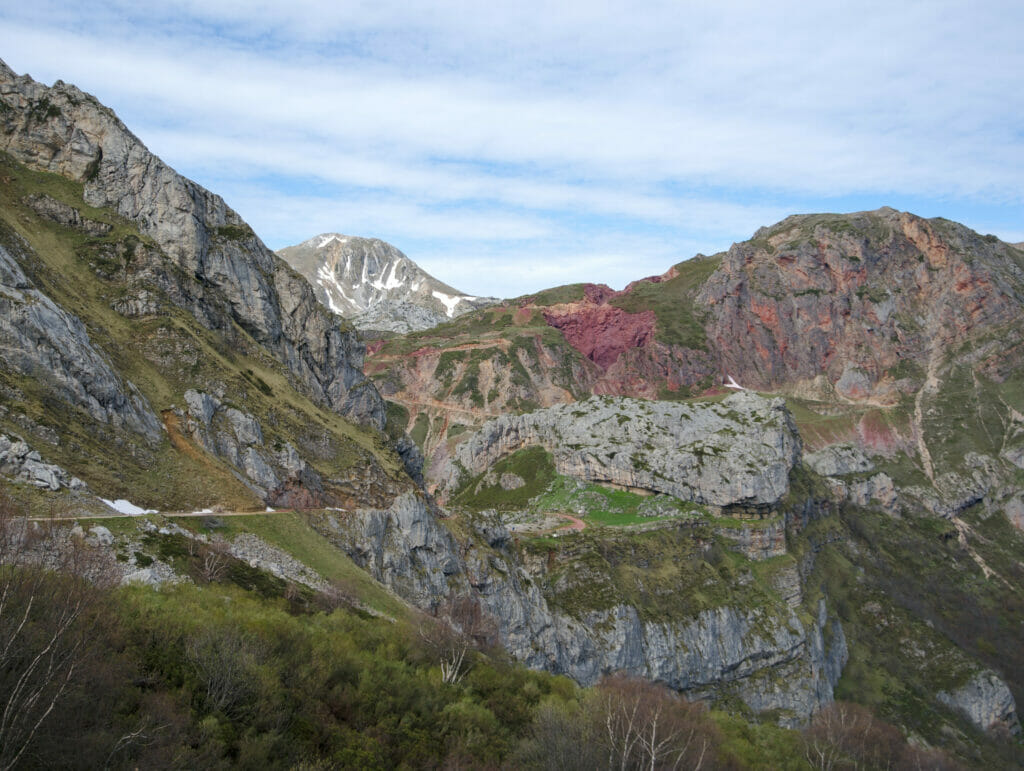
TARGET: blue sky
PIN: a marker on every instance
(510, 147)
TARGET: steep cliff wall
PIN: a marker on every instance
(63, 130)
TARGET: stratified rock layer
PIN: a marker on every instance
(766, 656)
(869, 299)
(734, 453)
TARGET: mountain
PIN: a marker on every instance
(146, 326)
(374, 285)
(561, 484)
(863, 309)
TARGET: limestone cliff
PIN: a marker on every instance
(61, 129)
(738, 452)
(767, 656)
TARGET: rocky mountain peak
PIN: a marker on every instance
(867, 299)
(239, 281)
(376, 286)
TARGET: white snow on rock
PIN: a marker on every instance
(121, 506)
(448, 301)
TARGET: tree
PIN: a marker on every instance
(461, 626)
(646, 726)
(846, 735)
(50, 599)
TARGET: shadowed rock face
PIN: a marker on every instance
(63, 130)
(864, 298)
(44, 341)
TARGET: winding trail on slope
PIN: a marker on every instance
(443, 406)
(930, 386)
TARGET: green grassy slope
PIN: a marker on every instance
(163, 355)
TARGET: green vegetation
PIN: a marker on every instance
(558, 295)
(919, 615)
(162, 355)
(672, 303)
(600, 505)
(533, 465)
(666, 574)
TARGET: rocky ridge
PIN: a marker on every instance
(41, 339)
(63, 130)
(375, 285)
(871, 299)
(736, 453)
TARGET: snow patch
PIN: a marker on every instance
(448, 301)
(327, 280)
(390, 282)
(328, 237)
(121, 506)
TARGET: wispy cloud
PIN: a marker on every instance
(492, 134)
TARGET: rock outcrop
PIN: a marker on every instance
(375, 285)
(869, 299)
(63, 130)
(986, 701)
(42, 341)
(20, 462)
(765, 656)
(730, 454)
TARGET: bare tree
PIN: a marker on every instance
(225, 660)
(845, 735)
(213, 560)
(646, 726)
(461, 626)
(49, 600)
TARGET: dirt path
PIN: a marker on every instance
(438, 405)
(169, 514)
(498, 342)
(930, 386)
(575, 523)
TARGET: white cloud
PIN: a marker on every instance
(508, 123)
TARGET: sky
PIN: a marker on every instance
(509, 147)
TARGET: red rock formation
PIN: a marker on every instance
(863, 298)
(602, 333)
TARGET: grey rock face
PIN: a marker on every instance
(757, 541)
(19, 461)
(838, 459)
(734, 453)
(40, 339)
(237, 437)
(765, 656)
(259, 554)
(375, 285)
(66, 131)
(65, 215)
(404, 547)
(986, 701)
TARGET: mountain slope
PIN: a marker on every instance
(860, 307)
(154, 348)
(375, 285)
(765, 553)
(231, 277)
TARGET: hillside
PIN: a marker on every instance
(600, 521)
(374, 285)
